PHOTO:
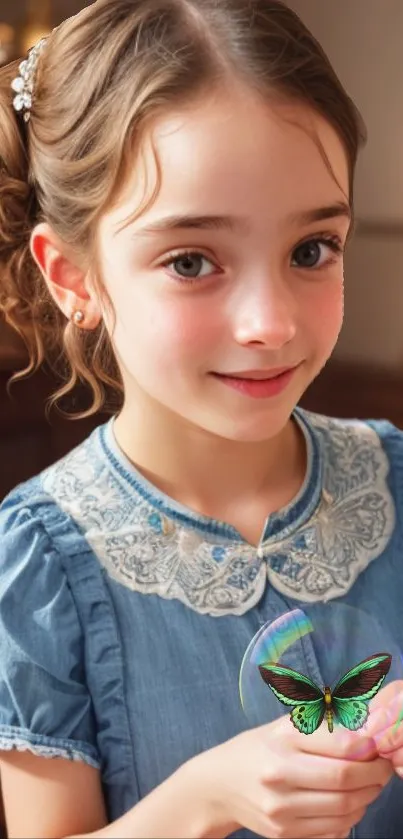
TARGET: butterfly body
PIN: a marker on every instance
(328, 708)
(347, 703)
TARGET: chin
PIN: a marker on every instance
(252, 430)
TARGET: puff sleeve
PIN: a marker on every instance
(45, 705)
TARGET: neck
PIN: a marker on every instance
(236, 482)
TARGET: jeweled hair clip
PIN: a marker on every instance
(23, 84)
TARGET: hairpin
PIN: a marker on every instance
(23, 84)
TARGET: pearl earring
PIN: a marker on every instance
(78, 317)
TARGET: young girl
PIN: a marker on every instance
(176, 195)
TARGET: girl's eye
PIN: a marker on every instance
(314, 253)
(189, 265)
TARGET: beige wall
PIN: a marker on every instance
(364, 40)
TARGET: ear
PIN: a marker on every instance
(67, 282)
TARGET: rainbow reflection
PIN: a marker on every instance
(273, 639)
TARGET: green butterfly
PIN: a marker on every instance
(347, 703)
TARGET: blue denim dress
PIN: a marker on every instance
(125, 616)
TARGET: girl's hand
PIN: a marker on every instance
(385, 724)
(280, 783)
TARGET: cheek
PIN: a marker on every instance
(326, 313)
(166, 332)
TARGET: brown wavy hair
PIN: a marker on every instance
(102, 75)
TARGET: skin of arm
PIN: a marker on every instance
(62, 798)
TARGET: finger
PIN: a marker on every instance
(357, 745)
(384, 717)
(341, 744)
(395, 757)
(396, 760)
(344, 835)
(390, 742)
(317, 804)
(339, 826)
(386, 694)
(319, 827)
(323, 773)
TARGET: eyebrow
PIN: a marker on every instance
(194, 222)
(237, 223)
(339, 210)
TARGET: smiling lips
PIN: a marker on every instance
(259, 384)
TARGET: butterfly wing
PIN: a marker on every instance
(352, 713)
(308, 717)
(290, 687)
(364, 680)
(356, 687)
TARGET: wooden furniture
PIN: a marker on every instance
(346, 390)
(29, 441)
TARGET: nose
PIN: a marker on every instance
(265, 314)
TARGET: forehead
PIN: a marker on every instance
(234, 152)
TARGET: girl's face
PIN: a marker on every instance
(228, 290)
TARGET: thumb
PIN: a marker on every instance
(387, 694)
(379, 720)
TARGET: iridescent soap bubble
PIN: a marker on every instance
(321, 641)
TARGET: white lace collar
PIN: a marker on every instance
(312, 550)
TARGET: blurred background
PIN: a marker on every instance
(365, 377)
